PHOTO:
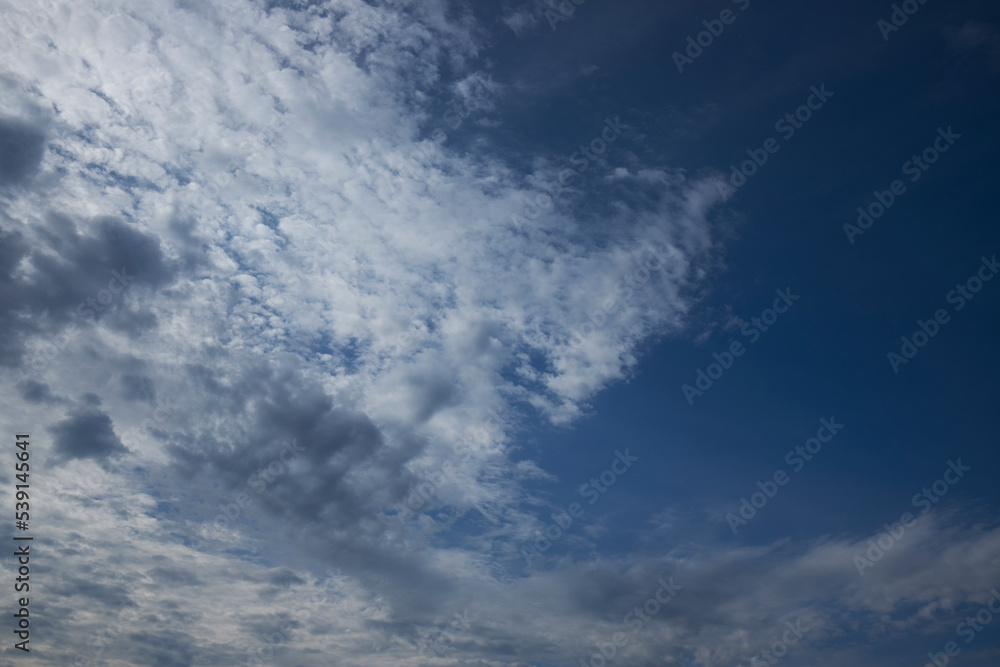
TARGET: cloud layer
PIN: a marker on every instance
(256, 300)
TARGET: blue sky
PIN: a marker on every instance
(441, 333)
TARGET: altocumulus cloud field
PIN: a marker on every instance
(356, 333)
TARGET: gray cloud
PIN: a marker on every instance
(79, 273)
(138, 387)
(37, 392)
(22, 146)
(86, 433)
(174, 576)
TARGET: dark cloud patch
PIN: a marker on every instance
(137, 387)
(280, 407)
(13, 327)
(322, 471)
(265, 626)
(190, 246)
(135, 323)
(174, 576)
(316, 479)
(90, 276)
(37, 392)
(163, 648)
(283, 578)
(87, 433)
(111, 597)
(21, 149)
(436, 394)
(94, 271)
(90, 400)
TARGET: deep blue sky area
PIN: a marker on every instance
(828, 355)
